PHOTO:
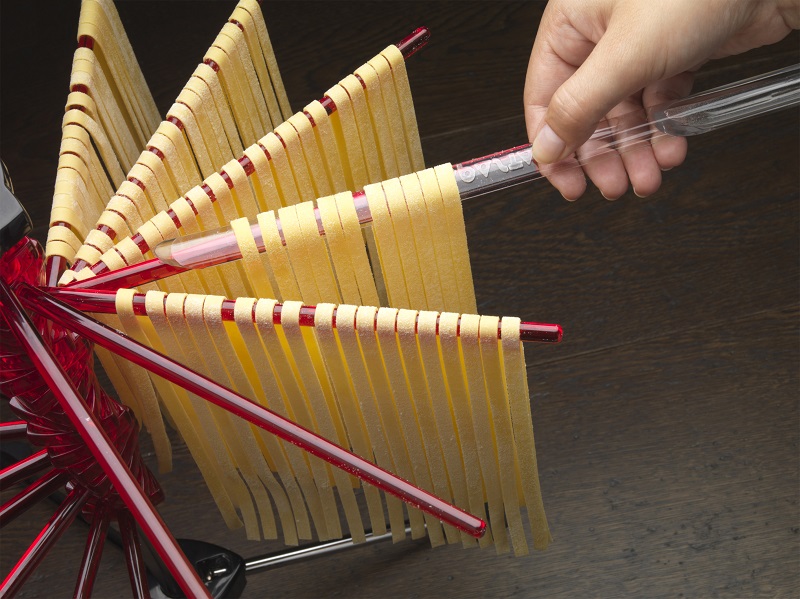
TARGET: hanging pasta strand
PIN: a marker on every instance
(435, 397)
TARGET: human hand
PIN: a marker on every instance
(599, 63)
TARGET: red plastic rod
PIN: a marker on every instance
(23, 469)
(32, 495)
(13, 431)
(51, 532)
(104, 302)
(90, 562)
(133, 555)
(95, 438)
(204, 387)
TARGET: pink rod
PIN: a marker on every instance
(242, 407)
(31, 495)
(51, 532)
(408, 46)
(13, 431)
(133, 555)
(90, 562)
(104, 302)
(95, 438)
(33, 464)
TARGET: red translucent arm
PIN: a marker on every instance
(105, 302)
(23, 469)
(51, 532)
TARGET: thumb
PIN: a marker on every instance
(615, 69)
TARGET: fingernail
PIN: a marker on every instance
(664, 170)
(608, 198)
(548, 146)
(637, 194)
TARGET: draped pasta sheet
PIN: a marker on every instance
(448, 412)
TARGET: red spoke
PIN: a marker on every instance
(23, 469)
(52, 531)
(103, 450)
(13, 431)
(31, 495)
(91, 555)
(133, 555)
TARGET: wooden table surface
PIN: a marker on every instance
(667, 420)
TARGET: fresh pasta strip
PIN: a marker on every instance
(351, 413)
(324, 413)
(423, 241)
(296, 160)
(357, 250)
(231, 77)
(365, 130)
(337, 245)
(406, 413)
(311, 151)
(517, 386)
(326, 140)
(362, 387)
(269, 57)
(365, 323)
(278, 258)
(458, 237)
(209, 78)
(251, 260)
(403, 231)
(201, 314)
(228, 362)
(393, 114)
(299, 250)
(283, 404)
(432, 196)
(380, 124)
(244, 20)
(386, 242)
(252, 91)
(287, 187)
(461, 409)
(193, 133)
(407, 341)
(263, 180)
(345, 130)
(403, 91)
(501, 416)
(175, 402)
(445, 426)
(321, 265)
(484, 428)
(196, 96)
(266, 392)
(243, 196)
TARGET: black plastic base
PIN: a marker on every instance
(222, 571)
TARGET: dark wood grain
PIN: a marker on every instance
(667, 420)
